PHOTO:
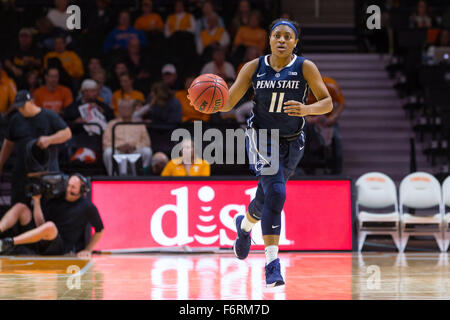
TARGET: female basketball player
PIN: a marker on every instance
(281, 81)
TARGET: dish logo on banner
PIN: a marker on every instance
(207, 231)
(199, 214)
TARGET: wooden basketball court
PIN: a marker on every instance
(223, 277)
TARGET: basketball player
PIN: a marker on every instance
(281, 75)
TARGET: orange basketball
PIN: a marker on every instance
(208, 93)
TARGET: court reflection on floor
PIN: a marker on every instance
(223, 277)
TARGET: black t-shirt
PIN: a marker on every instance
(21, 130)
(17, 56)
(72, 112)
(71, 220)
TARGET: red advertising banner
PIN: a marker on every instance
(193, 213)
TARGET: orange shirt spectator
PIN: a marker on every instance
(126, 92)
(175, 168)
(8, 91)
(56, 100)
(249, 36)
(70, 61)
(120, 95)
(179, 21)
(149, 20)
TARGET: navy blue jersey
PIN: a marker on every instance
(272, 90)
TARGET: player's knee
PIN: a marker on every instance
(278, 192)
(49, 230)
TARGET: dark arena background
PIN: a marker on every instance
(100, 88)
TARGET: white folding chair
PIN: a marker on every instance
(446, 202)
(376, 190)
(421, 190)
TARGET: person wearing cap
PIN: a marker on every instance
(31, 122)
(89, 95)
(23, 57)
(170, 76)
(7, 91)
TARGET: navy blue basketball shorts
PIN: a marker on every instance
(271, 187)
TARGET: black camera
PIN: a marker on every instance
(49, 185)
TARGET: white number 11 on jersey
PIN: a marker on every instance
(274, 100)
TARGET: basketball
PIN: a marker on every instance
(208, 93)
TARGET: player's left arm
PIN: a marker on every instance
(324, 102)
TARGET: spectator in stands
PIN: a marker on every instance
(421, 18)
(126, 92)
(442, 40)
(211, 36)
(163, 107)
(58, 15)
(94, 65)
(30, 123)
(128, 138)
(149, 20)
(120, 67)
(32, 81)
(328, 125)
(88, 107)
(188, 113)
(138, 64)
(202, 23)
(70, 61)
(251, 53)
(159, 161)
(180, 20)
(52, 95)
(122, 34)
(7, 91)
(47, 32)
(218, 65)
(23, 58)
(241, 17)
(170, 76)
(251, 34)
(105, 93)
(188, 164)
(98, 23)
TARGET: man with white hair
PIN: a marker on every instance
(87, 108)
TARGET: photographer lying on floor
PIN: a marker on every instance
(57, 227)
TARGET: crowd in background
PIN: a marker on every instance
(129, 63)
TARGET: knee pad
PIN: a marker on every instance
(277, 196)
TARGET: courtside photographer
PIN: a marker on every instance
(59, 219)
